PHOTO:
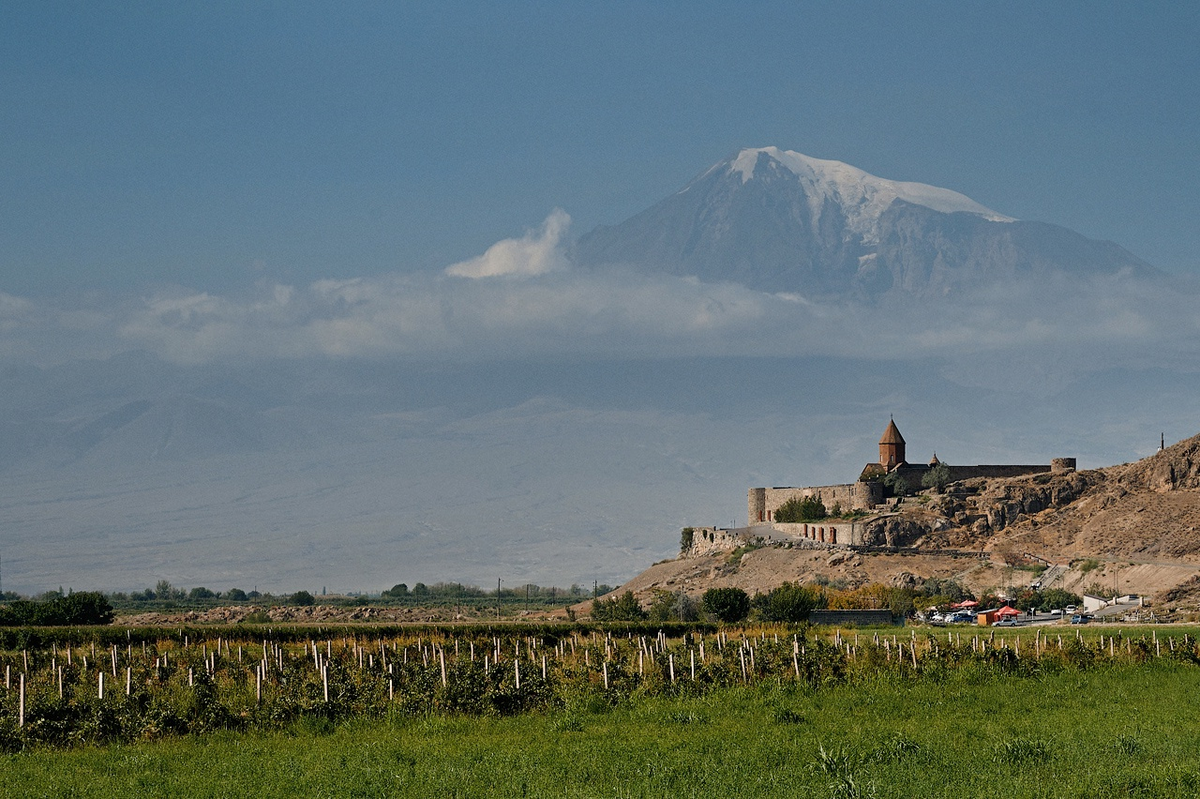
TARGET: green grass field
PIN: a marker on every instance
(1112, 731)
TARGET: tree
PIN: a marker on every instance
(303, 598)
(397, 591)
(945, 587)
(1058, 598)
(896, 485)
(236, 594)
(672, 606)
(937, 478)
(727, 604)
(623, 608)
(796, 509)
(790, 602)
(164, 590)
(85, 607)
(200, 592)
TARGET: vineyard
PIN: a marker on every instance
(63, 689)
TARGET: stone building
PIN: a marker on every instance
(868, 491)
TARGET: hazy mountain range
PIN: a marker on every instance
(555, 410)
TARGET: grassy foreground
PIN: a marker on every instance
(1119, 731)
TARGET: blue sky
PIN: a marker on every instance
(214, 144)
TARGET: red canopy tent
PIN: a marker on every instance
(966, 603)
(1007, 611)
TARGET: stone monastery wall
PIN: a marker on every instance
(763, 502)
(866, 494)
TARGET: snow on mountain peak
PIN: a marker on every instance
(862, 196)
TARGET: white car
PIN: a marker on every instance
(1056, 612)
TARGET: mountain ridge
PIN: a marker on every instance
(780, 221)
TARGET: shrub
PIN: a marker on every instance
(727, 604)
(936, 478)
(790, 602)
(668, 606)
(623, 608)
(85, 607)
(895, 485)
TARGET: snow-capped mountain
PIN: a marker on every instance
(778, 220)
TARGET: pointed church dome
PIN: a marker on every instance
(891, 447)
(892, 434)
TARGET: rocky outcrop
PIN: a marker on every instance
(1175, 468)
(985, 505)
(895, 531)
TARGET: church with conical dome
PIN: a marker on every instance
(886, 480)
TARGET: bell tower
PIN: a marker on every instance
(891, 447)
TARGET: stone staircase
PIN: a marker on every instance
(1047, 578)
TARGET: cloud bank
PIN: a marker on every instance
(522, 298)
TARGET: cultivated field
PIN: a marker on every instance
(616, 712)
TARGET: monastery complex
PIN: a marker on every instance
(868, 491)
(867, 496)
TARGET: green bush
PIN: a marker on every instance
(896, 486)
(936, 478)
(727, 604)
(623, 608)
(796, 509)
(672, 606)
(790, 602)
(303, 599)
(85, 607)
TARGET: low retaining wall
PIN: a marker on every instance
(861, 618)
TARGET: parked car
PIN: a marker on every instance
(1071, 608)
(1056, 612)
(1080, 618)
(1005, 623)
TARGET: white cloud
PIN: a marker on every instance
(1002, 333)
(536, 253)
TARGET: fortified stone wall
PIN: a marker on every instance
(828, 534)
(832, 532)
(763, 502)
(968, 472)
(913, 473)
(714, 540)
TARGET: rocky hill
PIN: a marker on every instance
(1131, 528)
